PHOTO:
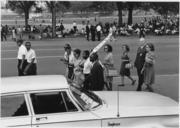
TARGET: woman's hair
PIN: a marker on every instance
(127, 47)
(110, 49)
(77, 51)
(20, 41)
(151, 46)
(86, 52)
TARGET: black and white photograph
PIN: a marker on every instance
(89, 63)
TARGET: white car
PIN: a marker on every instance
(49, 101)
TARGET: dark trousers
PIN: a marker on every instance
(99, 36)
(75, 29)
(3, 36)
(93, 36)
(87, 82)
(140, 80)
(70, 72)
(21, 71)
(87, 33)
(32, 69)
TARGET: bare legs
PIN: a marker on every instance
(132, 80)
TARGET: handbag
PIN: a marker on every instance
(128, 66)
(112, 72)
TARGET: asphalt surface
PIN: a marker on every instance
(49, 52)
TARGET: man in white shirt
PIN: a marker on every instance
(31, 68)
(68, 60)
(98, 29)
(87, 69)
(21, 56)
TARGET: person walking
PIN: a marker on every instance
(148, 68)
(14, 34)
(96, 76)
(31, 68)
(19, 32)
(74, 27)
(108, 64)
(21, 56)
(93, 33)
(98, 29)
(124, 70)
(3, 33)
(62, 29)
(87, 31)
(139, 62)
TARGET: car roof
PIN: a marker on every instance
(31, 83)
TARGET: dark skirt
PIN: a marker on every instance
(124, 71)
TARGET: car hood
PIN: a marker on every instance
(133, 104)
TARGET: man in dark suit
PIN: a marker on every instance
(96, 75)
(139, 62)
(93, 32)
(87, 31)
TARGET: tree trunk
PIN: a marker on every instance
(120, 20)
(26, 18)
(53, 22)
(130, 11)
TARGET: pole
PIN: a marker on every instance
(118, 102)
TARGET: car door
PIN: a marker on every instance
(57, 109)
(15, 111)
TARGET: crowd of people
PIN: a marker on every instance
(89, 73)
(155, 25)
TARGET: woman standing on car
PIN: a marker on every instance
(124, 70)
(148, 68)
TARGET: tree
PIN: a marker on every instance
(54, 7)
(21, 7)
(102, 6)
(130, 12)
(135, 5)
(164, 8)
(120, 8)
(80, 6)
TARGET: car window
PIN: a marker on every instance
(87, 99)
(13, 105)
(51, 102)
(70, 106)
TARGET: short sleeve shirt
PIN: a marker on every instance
(31, 55)
(98, 28)
(70, 58)
(21, 51)
(87, 66)
(109, 58)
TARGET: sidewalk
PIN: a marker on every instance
(167, 85)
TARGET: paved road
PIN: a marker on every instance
(49, 52)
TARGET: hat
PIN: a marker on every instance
(67, 46)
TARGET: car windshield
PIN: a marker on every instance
(86, 99)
